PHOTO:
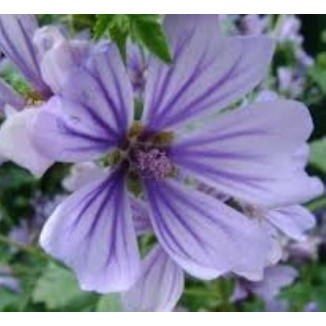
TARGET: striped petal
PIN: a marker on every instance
(159, 287)
(254, 154)
(203, 235)
(103, 86)
(71, 132)
(92, 232)
(294, 221)
(140, 216)
(16, 41)
(208, 72)
(10, 97)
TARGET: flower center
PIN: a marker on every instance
(151, 162)
(146, 155)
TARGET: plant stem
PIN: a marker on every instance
(27, 249)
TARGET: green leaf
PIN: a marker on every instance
(14, 79)
(102, 25)
(318, 154)
(57, 289)
(7, 298)
(150, 33)
(115, 26)
(318, 72)
(120, 36)
(109, 303)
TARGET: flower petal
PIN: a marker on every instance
(10, 97)
(16, 33)
(69, 132)
(92, 232)
(159, 287)
(203, 235)
(82, 174)
(137, 67)
(294, 221)
(253, 154)
(275, 278)
(58, 56)
(208, 73)
(140, 216)
(103, 86)
(16, 142)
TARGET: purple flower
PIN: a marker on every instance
(290, 83)
(311, 307)
(289, 29)
(275, 278)
(253, 24)
(247, 154)
(305, 250)
(22, 53)
(7, 280)
(28, 229)
(28, 51)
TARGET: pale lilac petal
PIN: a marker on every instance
(137, 67)
(311, 307)
(239, 293)
(204, 236)
(208, 72)
(82, 174)
(58, 56)
(16, 33)
(8, 281)
(16, 142)
(277, 247)
(252, 154)
(159, 287)
(140, 216)
(9, 96)
(45, 38)
(277, 305)
(103, 86)
(305, 250)
(92, 232)
(294, 221)
(275, 278)
(71, 132)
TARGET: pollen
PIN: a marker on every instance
(152, 163)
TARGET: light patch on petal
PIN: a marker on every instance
(16, 142)
(58, 56)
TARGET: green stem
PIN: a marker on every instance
(27, 249)
(317, 204)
